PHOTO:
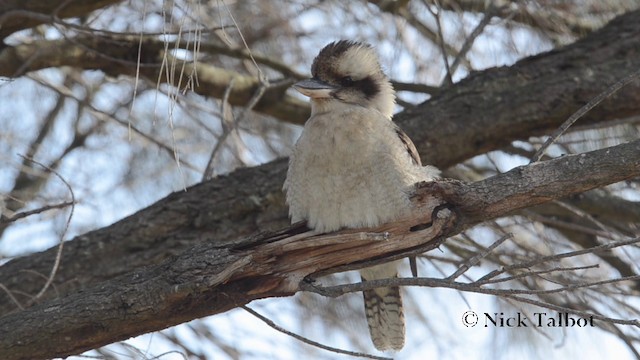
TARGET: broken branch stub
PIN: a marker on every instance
(295, 257)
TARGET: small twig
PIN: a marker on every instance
(232, 125)
(172, 352)
(261, 76)
(562, 224)
(583, 110)
(468, 43)
(448, 78)
(476, 259)
(136, 80)
(627, 341)
(56, 263)
(536, 272)
(226, 130)
(107, 117)
(25, 214)
(554, 307)
(544, 259)
(588, 217)
(264, 85)
(567, 287)
(308, 341)
(10, 294)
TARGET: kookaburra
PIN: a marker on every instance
(353, 167)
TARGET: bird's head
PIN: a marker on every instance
(348, 72)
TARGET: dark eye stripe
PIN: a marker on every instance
(368, 86)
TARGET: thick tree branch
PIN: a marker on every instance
(216, 276)
(546, 19)
(492, 108)
(226, 208)
(463, 121)
(18, 15)
(119, 56)
(542, 90)
(543, 181)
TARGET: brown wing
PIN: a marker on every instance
(408, 144)
(413, 152)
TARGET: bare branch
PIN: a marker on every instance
(582, 111)
(468, 42)
(593, 250)
(476, 258)
(339, 290)
(56, 264)
(308, 341)
(24, 214)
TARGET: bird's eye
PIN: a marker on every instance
(346, 81)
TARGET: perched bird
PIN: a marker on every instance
(353, 167)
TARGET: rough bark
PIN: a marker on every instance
(226, 208)
(482, 113)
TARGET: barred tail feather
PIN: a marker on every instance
(383, 310)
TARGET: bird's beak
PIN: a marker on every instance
(314, 89)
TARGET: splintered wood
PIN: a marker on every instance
(302, 254)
